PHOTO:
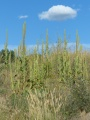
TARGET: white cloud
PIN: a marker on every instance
(58, 13)
(70, 46)
(23, 16)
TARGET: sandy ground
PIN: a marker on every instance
(83, 116)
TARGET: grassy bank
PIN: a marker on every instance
(50, 86)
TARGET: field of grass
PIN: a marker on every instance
(50, 86)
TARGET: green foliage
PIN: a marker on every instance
(2, 55)
(77, 101)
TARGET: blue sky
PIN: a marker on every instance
(40, 15)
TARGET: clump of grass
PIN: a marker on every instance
(44, 106)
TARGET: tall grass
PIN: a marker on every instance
(50, 86)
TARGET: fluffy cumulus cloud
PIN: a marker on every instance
(23, 16)
(58, 13)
